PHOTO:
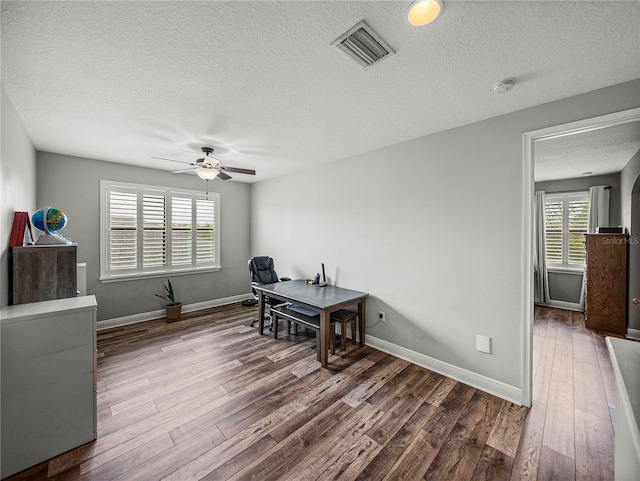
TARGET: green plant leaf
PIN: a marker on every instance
(168, 296)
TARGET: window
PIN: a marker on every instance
(149, 231)
(566, 222)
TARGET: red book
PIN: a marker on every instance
(20, 220)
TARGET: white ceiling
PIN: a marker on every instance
(259, 82)
(597, 152)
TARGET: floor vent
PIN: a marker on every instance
(363, 45)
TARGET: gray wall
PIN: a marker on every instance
(628, 178)
(72, 185)
(18, 181)
(442, 271)
(566, 286)
(630, 186)
(432, 228)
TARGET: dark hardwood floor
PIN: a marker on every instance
(208, 398)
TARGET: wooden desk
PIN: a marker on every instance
(323, 299)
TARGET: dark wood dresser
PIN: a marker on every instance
(606, 282)
(42, 273)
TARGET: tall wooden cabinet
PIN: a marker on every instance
(606, 282)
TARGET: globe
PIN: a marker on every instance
(49, 220)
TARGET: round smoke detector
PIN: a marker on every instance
(504, 85)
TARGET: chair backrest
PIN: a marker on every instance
(262, 271)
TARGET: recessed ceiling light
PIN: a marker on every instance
(423, 12)
(504, 85)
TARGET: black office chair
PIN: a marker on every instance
(262, 271)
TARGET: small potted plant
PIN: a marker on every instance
(174, 308)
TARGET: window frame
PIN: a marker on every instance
(565, 198)
(169, 193)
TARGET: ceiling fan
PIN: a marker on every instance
(208, 167)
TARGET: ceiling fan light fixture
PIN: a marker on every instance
(423, 12)
(206, 173)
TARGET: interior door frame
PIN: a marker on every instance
(528, 199)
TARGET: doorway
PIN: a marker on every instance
(633, 305)
(529, 139)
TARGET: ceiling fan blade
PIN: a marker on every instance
(223, 176)
(172, 160)
(238, 170)
(183, 171)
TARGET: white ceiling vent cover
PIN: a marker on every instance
(363, 45)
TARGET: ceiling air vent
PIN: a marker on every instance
(363, 45)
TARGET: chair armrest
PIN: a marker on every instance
(255, 284)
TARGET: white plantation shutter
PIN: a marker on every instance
(206, 231)
(553, 215)
(566, 222)
(152, 230)
(123, 221)
(154, 242)
(578, 223)
(181, 230)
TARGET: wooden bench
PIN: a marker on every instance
(310, 322)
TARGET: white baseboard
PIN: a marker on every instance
(478, 381)
(570, 306)
(633, 334)
(147, 316)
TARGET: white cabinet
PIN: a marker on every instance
(48, 396)
(625, 357)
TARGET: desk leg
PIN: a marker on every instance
(362, 313)
(260, 312)
(324, 337)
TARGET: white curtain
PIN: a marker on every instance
(598, 217)
(598, 207)
(541, 278)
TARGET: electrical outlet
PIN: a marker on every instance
(483, 343)
(382, 316)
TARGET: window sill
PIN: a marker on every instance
(154, 275)
(566, 270)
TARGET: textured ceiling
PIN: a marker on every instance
(259, 82)
(603, 151)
